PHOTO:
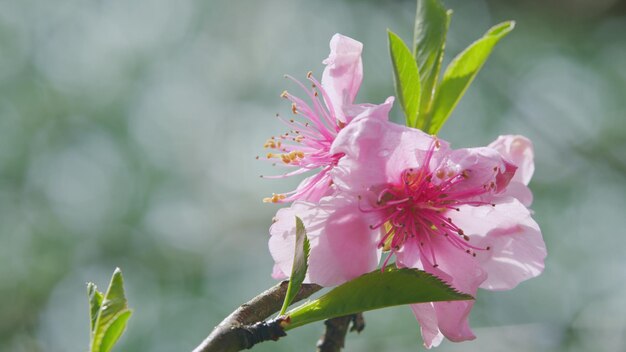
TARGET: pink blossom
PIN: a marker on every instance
(307, 145)
(449, 212)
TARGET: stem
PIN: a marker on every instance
(334, 337)
(237, 332)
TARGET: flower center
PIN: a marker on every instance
(417, 209)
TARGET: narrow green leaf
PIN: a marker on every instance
(112, 315)
(95, 302)
(406, 78)
(461, 71)
(115, 330)
(429, 39)
(373, 291)
(299, 267)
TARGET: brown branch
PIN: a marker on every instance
(334, 337)
(237, 332)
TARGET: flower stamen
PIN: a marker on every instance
(275, 198)
(415, 209)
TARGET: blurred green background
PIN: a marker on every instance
(128, 131)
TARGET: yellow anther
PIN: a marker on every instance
(286, 158)
(275, 198)
(284, 94)
(298, 139)
(309, 74)
(272, 143)
(292, 156)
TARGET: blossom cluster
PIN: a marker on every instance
(382, 191)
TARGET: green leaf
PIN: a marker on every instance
(300, 265)
(406, 78)
(461, 71)
(95, 302)
(109, 313)
(115, 330)
(375, 290)
(429, 39)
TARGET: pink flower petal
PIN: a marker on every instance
(409, 256)
(346, 247)
(376, 152)
(516, 248)
(277, 273)
(519, 191)
(342, 244)
(380, 111)
(427, 317)
(466, 275)
(453, 320)
(519, 150)
(482, 168)
(343, 73)
(461, 271)
(283, 234)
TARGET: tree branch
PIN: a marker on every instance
(237, 332)
(334, 337)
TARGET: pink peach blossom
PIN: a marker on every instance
(449, 212)
(307, 146)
